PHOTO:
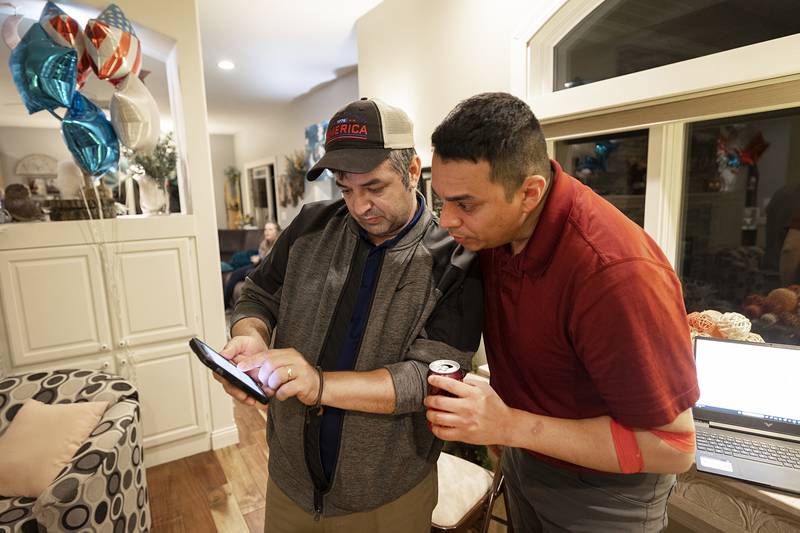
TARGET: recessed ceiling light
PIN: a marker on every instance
(226, 65)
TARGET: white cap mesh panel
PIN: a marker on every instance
(398, 131)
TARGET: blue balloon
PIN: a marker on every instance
(733, 160)
(43, 71)
(90, 136)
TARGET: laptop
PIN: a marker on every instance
(748, 414)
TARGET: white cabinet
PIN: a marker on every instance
(156, 284)
(54, 303)
(107, 298)
(168, 376)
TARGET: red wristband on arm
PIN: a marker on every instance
(682, 441)
(628, 453)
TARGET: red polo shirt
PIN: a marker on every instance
(588, 319)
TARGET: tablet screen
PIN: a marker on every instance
(230, 367)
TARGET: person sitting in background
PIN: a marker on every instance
(271, 232)
(779, 211)
(790, 252)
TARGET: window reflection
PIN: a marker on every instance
(629, 36)
(615, 167)
(741, 206)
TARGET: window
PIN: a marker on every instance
(614, 166)
(261, 193)
(622, 37)
(741, 197)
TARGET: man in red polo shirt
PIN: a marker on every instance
(592, 373)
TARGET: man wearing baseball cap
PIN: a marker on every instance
(360, 294)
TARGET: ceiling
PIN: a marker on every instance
(282, 49)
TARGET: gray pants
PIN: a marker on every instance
(543, 497)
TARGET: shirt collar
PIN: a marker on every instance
(541, 246)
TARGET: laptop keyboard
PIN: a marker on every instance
(762, 452)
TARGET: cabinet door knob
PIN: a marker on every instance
(106, 364)
(104, 347)
(121, 344)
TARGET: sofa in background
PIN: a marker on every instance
(236, 240)
(235, 248)
(103, 488)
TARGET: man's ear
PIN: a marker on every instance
(533, 189)
(414, 172)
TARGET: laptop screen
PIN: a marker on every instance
(748, 384)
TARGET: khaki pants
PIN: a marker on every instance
(410, 513)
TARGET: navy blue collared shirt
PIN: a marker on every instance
(331, 425)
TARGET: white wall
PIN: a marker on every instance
(425, 57)
(277, 131)
(223, 155)
(178, 20)
(16, 143)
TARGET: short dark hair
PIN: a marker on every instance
(499, 128)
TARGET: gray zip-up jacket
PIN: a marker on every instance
(427, 305)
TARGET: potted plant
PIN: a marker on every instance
(154, 170)
(233, 200)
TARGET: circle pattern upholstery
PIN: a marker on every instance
(104, 487)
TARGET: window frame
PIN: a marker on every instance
(668, 144)
(664, 100)
(551, 151)
(532, 50)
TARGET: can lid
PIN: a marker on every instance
(444, 366)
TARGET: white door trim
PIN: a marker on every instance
(247, 200)
(531, 68)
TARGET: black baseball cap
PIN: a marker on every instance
(361, 135)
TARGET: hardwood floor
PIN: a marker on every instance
(217, 491)
(222, 490)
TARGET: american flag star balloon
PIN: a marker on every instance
(90, 136)
(114, 49)
(65, 31)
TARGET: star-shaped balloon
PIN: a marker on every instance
(90, 136)
(114, 49)
(134, 115)
(65, 31)
(43, 71)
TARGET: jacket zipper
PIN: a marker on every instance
(317, 504)
(318, 494)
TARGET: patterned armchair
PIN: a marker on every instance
(104, 487)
